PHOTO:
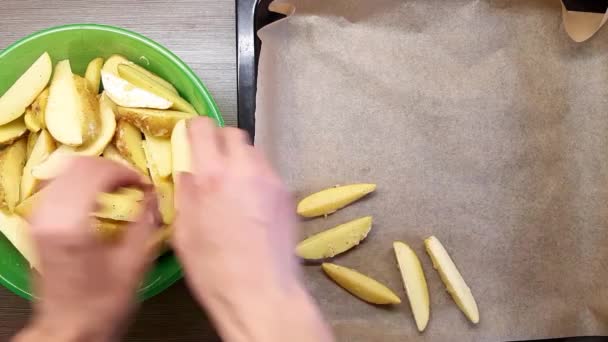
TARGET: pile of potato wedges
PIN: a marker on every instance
(51, 114)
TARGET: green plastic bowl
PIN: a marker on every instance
(81, 43)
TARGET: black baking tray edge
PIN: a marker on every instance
(252, 15)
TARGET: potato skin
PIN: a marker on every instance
(128, 141)
(155, 122)
(12, 161)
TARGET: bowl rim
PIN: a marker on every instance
(213, 112)
(213, 108)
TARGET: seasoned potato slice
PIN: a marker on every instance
(31, 141)
(93, 74)
(31, 121)
(12, 160)
(330, 200)
(451, 277)
(160, 151)
(25, 90)
(12, 131)
(118, 206)
(361, 286)
(39, 107)
(136, 77)
(180, 146)
(414, 283)
(334, 241)
(129, 144)
(42, 149)
(164, 189)
(64, 109)
(159, 123)
(17, 231)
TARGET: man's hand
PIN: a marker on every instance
(87, 287)
(234, 235)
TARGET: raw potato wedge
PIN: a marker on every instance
(334, 241)
(118, 206)
(42, 149)
(31, 141)
(39, 107)
(143, 81)
(31, 121)
(160, 153)
(414, 283)
(455, 284)
(180, 146)
(12, 160)
(328, 201)
(360, 285)
(164, 189)
(64, 109)
(93, 74)
(105, 133)
(129, 144)
(159, 123)
(111, 64)
(12, 131)
(25, 90)
(51, 166)
(91, 121)
(17, 231)
(126, 94)
(54, 164)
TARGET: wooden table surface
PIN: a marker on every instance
(202, 33)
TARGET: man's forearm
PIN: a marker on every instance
(67, 332)
(276, 317)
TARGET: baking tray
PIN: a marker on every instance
(252, 15)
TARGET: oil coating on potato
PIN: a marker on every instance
(43, 147)
(12, 161)
(164, 189)
(25, 90)
(12, 131)
(330, 200)
(143, 81)
(64, 109)
(414, 283)
(451, 277)
(361, 286)
(128, 141)
(118, 206)
(334, 241)
(93, 74)
(159, 123)
(180, 147)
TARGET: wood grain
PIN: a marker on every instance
(202, 33)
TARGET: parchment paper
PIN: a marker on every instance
(482, 123)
